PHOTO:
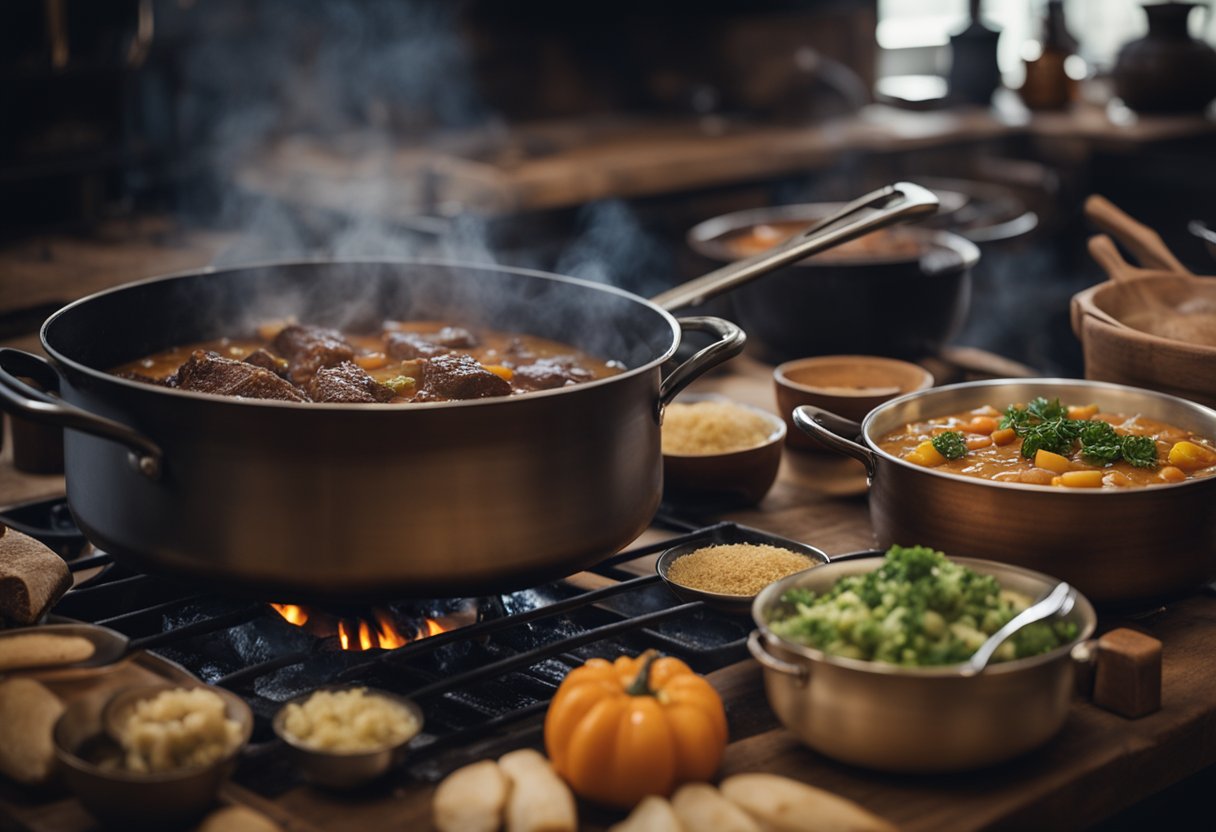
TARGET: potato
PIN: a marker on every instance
(28, 712)
(237, 819)
(539, 801)
(652, 814)
(779, 804)
(471, 799)
(701, 806)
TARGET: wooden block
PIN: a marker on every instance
(1128, 680)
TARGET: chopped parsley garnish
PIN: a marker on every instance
(1044, 425)
(950, 444)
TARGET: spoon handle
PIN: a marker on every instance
(1059, 599)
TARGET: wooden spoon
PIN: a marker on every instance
(1144, 243)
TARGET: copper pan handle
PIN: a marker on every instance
(39, 406)
(1144, 243)
(832, 431)
(755, 646)
(887, 205)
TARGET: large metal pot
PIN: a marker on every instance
(292, 500)
(1118, 546)
(906, 306)
(336, 500)
(932, 719)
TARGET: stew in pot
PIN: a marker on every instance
(415, 361)
(1046, 443)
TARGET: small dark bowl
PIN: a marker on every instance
(346, 769)
(732, 604)
(130, 800)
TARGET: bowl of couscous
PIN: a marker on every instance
(727, 572)
(720, 451)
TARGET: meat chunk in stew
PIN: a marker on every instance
(309, 348)
(458, 376)
(347, 382)
(410, 345)
(209, 372)
(551, 373)
(268, 361)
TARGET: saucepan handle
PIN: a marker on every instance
(832, 431)
(729, 344)
(755, 646)
(38, 405)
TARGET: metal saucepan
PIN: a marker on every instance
(1117, 546)
(361, 501)
(903, 305)
(931, 719)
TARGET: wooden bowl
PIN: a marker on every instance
(734, 478)
(847, 385)
(1156, 330)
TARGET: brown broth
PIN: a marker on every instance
(495, 349)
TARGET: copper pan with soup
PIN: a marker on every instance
(900, 292)
(1114, 491)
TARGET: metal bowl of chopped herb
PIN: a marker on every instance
(862, 660)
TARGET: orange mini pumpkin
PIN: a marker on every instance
(619, 731)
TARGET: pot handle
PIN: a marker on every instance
(832, 431)
(755, 646)
(877, 209)
(39, 406)
(729, 344)
(1120, 672)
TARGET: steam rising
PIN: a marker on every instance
(344, 91)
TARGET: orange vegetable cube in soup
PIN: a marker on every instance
(1191, 457)
(981, 424)
(1088, 411)
(1004, 436)
(1171, 474)
(1052, 461)
(925, 454)
(1079, 479)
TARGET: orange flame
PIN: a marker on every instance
(378, 631)
(292, 613)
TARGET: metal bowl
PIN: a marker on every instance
(90, 761)
(927, 719)
(732, 604)
(346, 769)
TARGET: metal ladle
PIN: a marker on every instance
(1057, 602)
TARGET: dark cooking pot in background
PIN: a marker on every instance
(905, 306)
(337, 500)
(1117, 546)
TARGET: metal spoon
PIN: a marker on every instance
(1057, 602)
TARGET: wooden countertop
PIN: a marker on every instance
(1099, 764)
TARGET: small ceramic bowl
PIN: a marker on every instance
(346, 769)
(732, 604)
(90, 762)
(732, 478)
(847, 385)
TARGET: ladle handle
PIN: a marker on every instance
(1144, 243)
(887, 205)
